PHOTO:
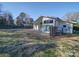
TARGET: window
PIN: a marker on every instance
(44, 21)
(64, 25)
(47, 28)
(51, 21)
(48, 21)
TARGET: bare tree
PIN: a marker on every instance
(71, 17)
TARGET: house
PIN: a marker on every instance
(43, 24)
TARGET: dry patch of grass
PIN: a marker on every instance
(18, 41)
(66, 47)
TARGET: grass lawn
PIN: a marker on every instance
(22, 42)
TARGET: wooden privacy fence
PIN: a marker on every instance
(54, 31)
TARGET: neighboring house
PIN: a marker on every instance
(43, 24)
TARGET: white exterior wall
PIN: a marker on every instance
(47, 24)
(48, 19)
(35, 27)
(67, 29)
(71, 28)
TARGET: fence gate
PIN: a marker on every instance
(53, 31)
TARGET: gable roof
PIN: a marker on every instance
(38, 20)
(41, 18)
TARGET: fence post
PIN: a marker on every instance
(51, 31)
